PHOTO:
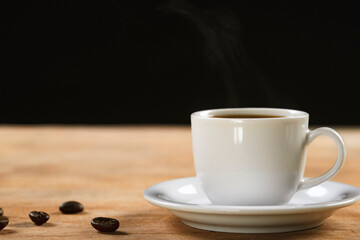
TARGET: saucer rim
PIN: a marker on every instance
(152, 192)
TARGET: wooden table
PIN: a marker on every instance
(108, 168)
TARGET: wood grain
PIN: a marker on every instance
(108, 168)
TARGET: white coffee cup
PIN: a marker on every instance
(255, 161)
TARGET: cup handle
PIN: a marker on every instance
(341, 154)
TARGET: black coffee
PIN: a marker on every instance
(245, 116)
(71, 207)
(39, 217)
(104, 224)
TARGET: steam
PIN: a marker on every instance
(221, 32)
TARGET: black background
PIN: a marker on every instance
(110, 62)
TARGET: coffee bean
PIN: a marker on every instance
(71, 207)
(39, 217)
(1, 212)
(104, 224)
(3, 222)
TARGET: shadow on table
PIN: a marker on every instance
(331, 229)
(162, 222)
(193, 233)
(31, 224)
(60, 213)
(7, 232)
(114, 233)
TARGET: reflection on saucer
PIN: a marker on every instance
(317, 191)
(187, 189)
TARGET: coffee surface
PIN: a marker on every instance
(245, 116)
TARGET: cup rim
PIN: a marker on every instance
(283, 112)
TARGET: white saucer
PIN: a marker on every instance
(307, 209)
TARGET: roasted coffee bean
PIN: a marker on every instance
(1, 212)
(39, 217)
(3, 222)
(71, 207)
(104, 224)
